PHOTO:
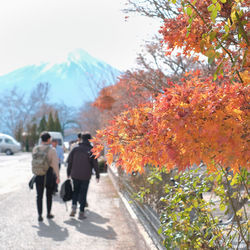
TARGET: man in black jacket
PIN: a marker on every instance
(80, 165)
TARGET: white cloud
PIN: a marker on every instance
(33, 31)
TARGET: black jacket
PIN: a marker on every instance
(81, 161)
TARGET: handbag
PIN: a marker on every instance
(32, 181)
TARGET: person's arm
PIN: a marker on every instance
(53, 162)
(60, 154)
(69, 161)
(94, 163)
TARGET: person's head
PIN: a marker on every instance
(45, 137)
(86, 136)
(54, 142)
(79, 136)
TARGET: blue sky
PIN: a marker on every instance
(46, 30)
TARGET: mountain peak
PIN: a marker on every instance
(80, 55)
(77, 73)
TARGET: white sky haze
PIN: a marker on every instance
(43, 30)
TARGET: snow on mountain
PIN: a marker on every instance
(75, 80)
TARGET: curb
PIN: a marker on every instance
(144, 219)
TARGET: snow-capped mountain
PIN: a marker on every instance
(75, 80)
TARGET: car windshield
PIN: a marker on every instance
(9, 141)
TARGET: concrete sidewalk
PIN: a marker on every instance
(108, 225)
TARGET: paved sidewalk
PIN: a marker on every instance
(108, 224)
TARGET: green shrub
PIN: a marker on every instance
(188, 220)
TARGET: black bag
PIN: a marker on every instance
(66, 191)
(50, 179)
(32, 181)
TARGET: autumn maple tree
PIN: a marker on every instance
(199, 116)
(188, 123)
(126, 93)
(216, 29)
(199, 120)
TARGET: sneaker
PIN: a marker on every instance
(81, 216)
(50, 216)
(73, 213)
(40, 218)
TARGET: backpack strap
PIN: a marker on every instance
(46, 150)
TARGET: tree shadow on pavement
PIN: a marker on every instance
(52, 230)
(88, 227)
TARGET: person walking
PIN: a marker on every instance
(60, 155)
(46, 180)
(76, 143)
(80, 165)
(59, 152)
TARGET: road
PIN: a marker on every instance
(108, 225)
(15, 171)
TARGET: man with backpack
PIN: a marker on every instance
(80, 165)
(45, 167)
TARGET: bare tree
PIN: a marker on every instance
(36, 101)
(16, 109)
(89, 118)
(67, 116)
(98, 82)
(152, 8)
(155, 68)
(12, 106)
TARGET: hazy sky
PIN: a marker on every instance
(42, 30)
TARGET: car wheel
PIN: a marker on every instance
(8, 152)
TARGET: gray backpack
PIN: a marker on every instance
(40, 162)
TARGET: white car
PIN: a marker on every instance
(9, 145)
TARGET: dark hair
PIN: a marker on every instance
(45, 136)
(86, 137)
(79, 135)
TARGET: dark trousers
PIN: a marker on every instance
(40, 185)
(80, 190)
